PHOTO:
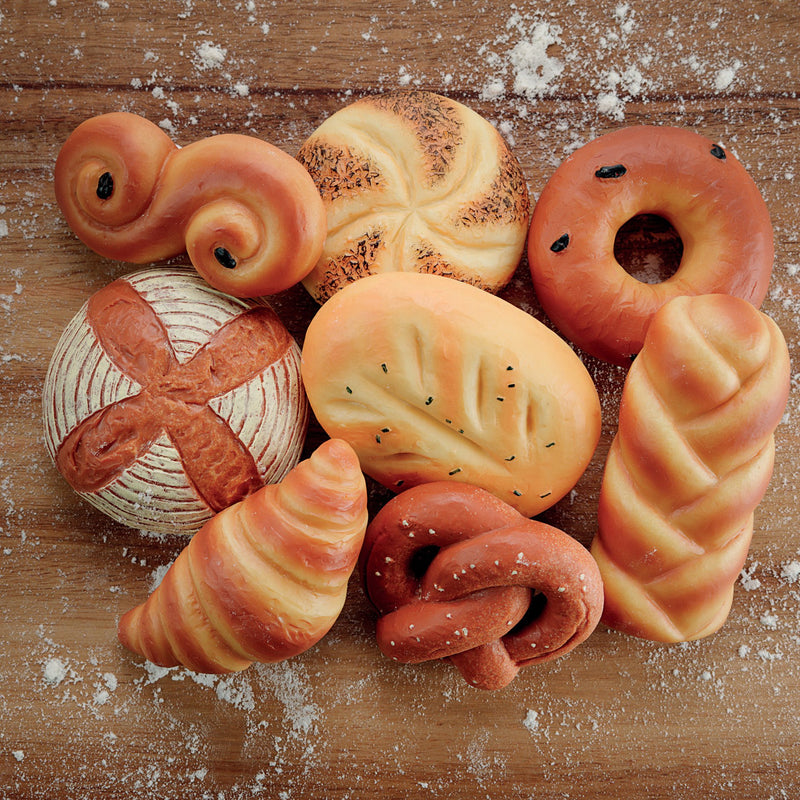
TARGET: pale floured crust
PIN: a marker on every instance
(434, 379)
(166, 401)
(690, 463)
(413, 181)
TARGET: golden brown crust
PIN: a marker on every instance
(264, 579)
(432, 175)
(703, 191)
(432, 379)
(453, 570)
(246, 213)
(690, 462)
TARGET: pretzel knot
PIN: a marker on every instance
(456, 573)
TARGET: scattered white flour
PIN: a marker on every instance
(726, 76)
(55, 671)
(531, 721)
(210, 55)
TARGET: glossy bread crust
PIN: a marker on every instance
(246, 213)
(456, 573)
(429, 378)
(263, 580)
(689, 464)
(697, 186)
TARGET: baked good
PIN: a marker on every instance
(414, 181)
(246, 213)
(434, 379)
(456, 573)
(696, 185)
(691, 460)
(166, 401)
(265, 579)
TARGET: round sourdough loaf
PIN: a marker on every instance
(166, 401)
(432, 379)
(415, 182)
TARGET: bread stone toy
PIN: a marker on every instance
(413, 181)
(265, 579)
(429, 379)
(689, 464)
(166, 401)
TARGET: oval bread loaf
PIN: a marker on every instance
(429, 378)
(690, 462)
(413, 181)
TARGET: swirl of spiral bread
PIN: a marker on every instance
(246, 213)
(416, 182)
(691, 460)
(265, 579)
(458, 574)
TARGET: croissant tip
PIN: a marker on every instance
(339, 453)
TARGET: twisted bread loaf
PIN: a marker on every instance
(691, 461)
(266, 578)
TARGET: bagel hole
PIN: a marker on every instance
(421, 560)
(648, 248)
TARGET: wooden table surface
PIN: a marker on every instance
(80, 717)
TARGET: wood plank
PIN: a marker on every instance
(82, 717)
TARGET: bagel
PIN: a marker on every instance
(702, 190)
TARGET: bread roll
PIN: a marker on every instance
(166, 401)
(433, 379)
(413, 181)
(690, 462)
(246, 213)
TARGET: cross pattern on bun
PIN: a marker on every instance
(416, 182)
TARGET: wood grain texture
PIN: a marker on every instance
(81, 718)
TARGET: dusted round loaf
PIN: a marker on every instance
(166, 401)
(433, 379)
(415, 182)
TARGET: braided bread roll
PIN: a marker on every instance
(415, 182)
(265, 579)
(690, 462)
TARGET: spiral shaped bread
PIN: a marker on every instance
(246, 213)
(265, 579)
(691, 460)
(415, 182)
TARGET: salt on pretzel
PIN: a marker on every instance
(457, 573)
(691, 460)
(246, 213)
(696, 185)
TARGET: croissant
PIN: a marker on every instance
(264, 579)
(247, 214)
(691, 460)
